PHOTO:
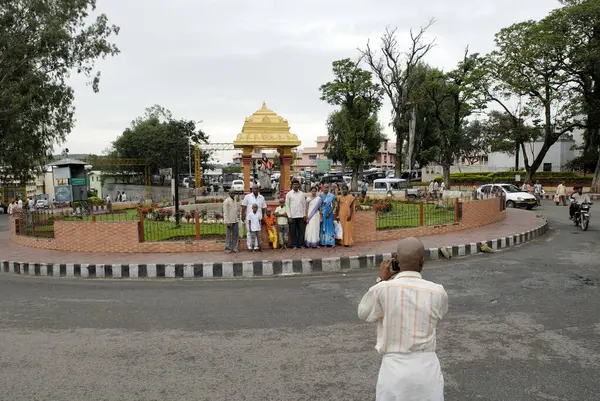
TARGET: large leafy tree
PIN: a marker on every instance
(525, 65)
(161, 140)
(41, 43)
(575, 30)
(455, 98)
(354, 128)
(394, 68)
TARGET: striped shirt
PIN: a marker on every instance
(407, 309)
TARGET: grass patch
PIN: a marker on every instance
(406, 215)
(162, 230)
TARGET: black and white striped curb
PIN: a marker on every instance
(257, 268)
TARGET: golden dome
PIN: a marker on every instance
(265, 129)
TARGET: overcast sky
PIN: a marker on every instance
(217, 60)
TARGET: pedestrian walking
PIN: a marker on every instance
(537, 192)
(295, 204)
(561, 194)
(231, 218)
(407, 309)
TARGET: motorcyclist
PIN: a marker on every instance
(577, 199)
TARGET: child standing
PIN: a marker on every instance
(271, 228)
(282, 223)
(253, 229)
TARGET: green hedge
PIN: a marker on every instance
(544, 177)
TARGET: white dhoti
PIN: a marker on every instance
(416, 376)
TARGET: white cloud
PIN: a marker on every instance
(217, 60)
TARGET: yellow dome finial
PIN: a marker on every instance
(264, 106)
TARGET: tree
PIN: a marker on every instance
(160, 140)
(575, 29)
(455, 97)
(335, 148)
(524, 65)
(41, 43)
(503, 130)
(355, 122)
(394, 69)
(474, 139)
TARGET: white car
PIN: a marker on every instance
(237, 185)
(515, 197)
(42, 204)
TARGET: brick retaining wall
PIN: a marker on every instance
(123, 236)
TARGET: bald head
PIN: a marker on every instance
(410, 254)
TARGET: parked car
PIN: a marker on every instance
(237, 185)
(396, 187)
(42, 204)
(515, 197)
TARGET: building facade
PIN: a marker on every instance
(308, 157)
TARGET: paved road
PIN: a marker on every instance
(523, 325)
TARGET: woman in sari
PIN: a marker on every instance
(327, 208)
(313, 219)
(346, 215)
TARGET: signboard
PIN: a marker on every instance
(517, 178)
(78, 181)
(165, 171)
(63, 194)
(323, 166)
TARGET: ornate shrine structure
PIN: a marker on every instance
(265, 129)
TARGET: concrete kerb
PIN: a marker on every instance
(257, 268)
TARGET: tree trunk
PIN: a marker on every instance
(517, 149)
(531, 170)
(446, 174)
(596, 180)
(354, 184)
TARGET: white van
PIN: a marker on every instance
(394, 187)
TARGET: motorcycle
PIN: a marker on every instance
(582, 216)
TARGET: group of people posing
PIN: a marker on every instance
(301, 220)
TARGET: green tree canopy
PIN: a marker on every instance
(41, 43)
(160, 140)
(355, 135)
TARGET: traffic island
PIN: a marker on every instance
(517, 228)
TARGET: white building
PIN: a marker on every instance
(556, 159)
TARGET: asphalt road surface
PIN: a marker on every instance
(524, 324)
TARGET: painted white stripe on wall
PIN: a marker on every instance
(227, 269)
(151, 270)
(248, 269)
(188, 270)
(267, 267)
(207, 270)
(134, 271)
(170, 271)
(286, 267)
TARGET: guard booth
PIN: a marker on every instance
(70, 181)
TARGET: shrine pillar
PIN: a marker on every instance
(285, 179)
(247, 164)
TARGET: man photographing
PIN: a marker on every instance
(407, 309)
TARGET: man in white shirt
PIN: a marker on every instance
(407, 309)
(231, 212)
(577, 199)
(252, 198)
(295, 205)
(123, 197)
